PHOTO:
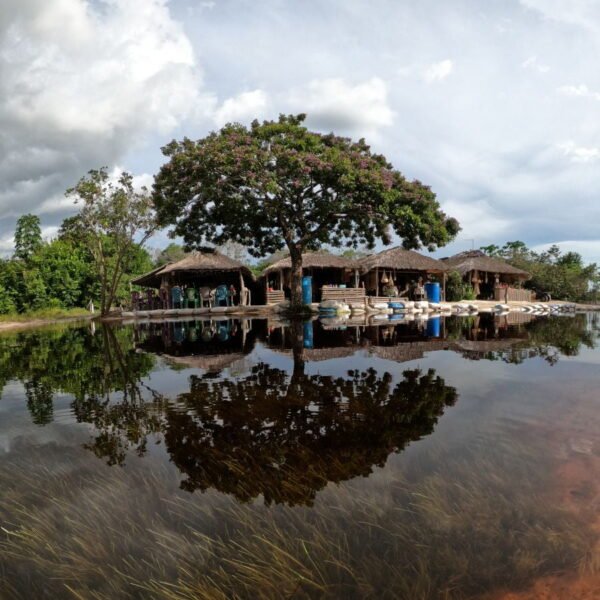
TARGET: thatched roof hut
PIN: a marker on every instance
(397, 269)
(402, 260)
(315, 260)
(476, 260)
(326, 270)
(487, 275)
(194, 265)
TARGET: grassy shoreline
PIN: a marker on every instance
(42, 317)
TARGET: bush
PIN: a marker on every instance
(457, 289)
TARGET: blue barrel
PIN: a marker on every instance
(432, 289)
(434, 326)
(307, 290)
(308, 334)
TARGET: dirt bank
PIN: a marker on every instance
(17, 325)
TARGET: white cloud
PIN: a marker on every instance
(336, 105)
(49, 232)
(580, 154)
(589, 249)
(582, 91)
(478, 219)
(7, 244)
(82, 84)
(580, 13)
(438, 71)
(91, 82)
(242, 108)
(533, 64)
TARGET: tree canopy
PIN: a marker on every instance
(28, 236)
(563, 276)
(61, 273)
(116, 219)
(278, 185)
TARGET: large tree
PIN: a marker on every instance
(28, 236)
(278, 185)
(116, 220)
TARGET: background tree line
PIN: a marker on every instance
(563, 275)
(271, 188)
(60, 273)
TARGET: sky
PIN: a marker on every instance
(495, 105)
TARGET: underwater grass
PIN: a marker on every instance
(448, 527)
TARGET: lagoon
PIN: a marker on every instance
(270, 459)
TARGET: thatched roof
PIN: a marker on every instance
(406, 351)
(476, 260)
(208, 260)
(484, 346)
(319, 354)
(207, 362)
(315, 260)
(401, 259)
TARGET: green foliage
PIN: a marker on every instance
(563, 276)
(278, 185)
(354, 253)
(62, 273)
(28, 236)
(457, 289)
(172, 253)
(115, 219)
(65, 272)
(55, 275)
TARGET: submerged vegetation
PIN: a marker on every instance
(252, 482)
(455, 528)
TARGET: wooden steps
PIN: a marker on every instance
(275, 296)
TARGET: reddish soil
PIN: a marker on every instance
(577, 489)
(582, 587)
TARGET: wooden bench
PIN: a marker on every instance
(342, 294)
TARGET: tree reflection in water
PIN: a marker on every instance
(285, 437)
(269, 432)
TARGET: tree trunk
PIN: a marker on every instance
(296, 279)
(297, 330)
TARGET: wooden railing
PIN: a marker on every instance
(275, 296)
(510, 294)
(342, 294)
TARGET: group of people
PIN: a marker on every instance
(415, 290)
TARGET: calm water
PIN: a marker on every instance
(259, 459)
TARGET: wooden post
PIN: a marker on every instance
(280, 280)
(242, 290)
(444, 277)
(356, 278)
(377, 282)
